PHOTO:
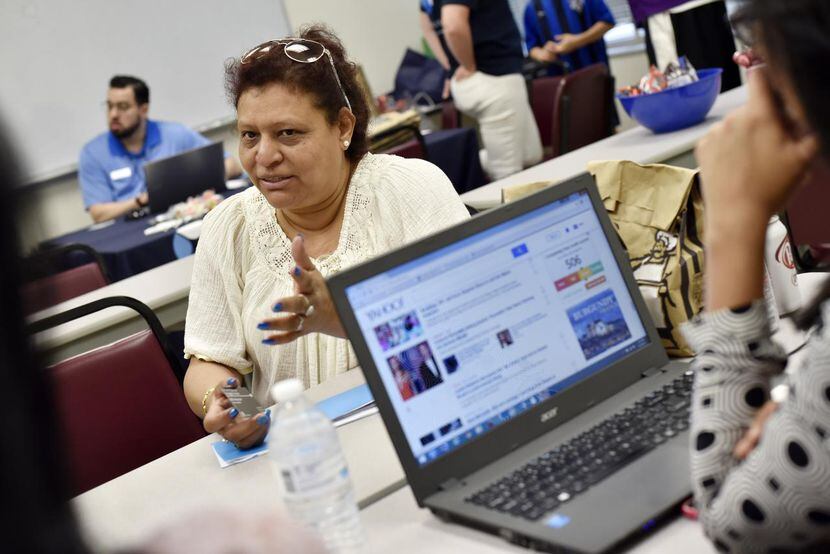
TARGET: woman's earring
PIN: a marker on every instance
(345, 144)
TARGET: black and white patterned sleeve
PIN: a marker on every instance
(779, 497)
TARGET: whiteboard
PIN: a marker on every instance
(57, 57)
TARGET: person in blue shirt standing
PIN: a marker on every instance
(567, 31)
(111, 166)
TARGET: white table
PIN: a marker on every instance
(119, 513)
(639, 145)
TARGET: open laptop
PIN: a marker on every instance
(175, 179)
(520, 378)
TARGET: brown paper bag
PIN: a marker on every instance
(658, 212)
(509, 194)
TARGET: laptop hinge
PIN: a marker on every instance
(450, 484)
(651, 372)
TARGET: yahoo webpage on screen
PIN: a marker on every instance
(469, 336)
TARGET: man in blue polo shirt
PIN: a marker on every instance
(484, 48)
(111, 167)
(570, 31)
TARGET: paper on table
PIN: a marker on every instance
(350, 405)
(233, 184)
(228, 454)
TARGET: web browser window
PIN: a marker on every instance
(471, 335)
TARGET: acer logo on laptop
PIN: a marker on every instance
(550, 414)
(385, 310)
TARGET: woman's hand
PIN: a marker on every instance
(310, 310)
(750, 162)
(221, 417)
(753, 435)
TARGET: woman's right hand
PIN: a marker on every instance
(221, 417)
(751, 162)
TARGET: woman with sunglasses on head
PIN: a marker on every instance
(321, 203)
(761, 473)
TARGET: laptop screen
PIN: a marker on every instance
(467, 337)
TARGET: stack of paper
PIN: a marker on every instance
(228, 454)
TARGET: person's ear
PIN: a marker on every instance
(345, 123)
(143, 109)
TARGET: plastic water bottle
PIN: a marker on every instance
(309, 462)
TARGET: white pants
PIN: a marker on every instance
(508, 128)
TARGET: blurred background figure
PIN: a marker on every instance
(697, 29)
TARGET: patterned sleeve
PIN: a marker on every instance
(779, 497)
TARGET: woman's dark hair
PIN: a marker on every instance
(795, 36)
(36, 513)
(315, 79)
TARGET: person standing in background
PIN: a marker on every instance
(111, 166)
(569, 31)
(697, 29)
(482, 43)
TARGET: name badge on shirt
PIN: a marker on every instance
(123, 173)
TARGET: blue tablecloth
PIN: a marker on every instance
(124, 247)
(127, 251)
(455, 151)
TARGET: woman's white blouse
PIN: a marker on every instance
(243, 261)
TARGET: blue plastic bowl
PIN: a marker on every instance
(676, 108)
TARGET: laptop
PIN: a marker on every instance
(175, 179)
(521, 380)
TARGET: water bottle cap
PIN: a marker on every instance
(287, 390)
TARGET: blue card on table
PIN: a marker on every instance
(345, 403)
(228, 454)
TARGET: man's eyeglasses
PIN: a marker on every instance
(300, 50)
(117, 106)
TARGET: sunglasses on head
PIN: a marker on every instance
(297, 49)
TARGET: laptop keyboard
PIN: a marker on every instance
(571, 468)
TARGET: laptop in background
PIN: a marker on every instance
(521, 380)
(175, 179)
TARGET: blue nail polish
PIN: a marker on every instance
(269, 341)
(268, 413)
(302, 237)
(262, 420)
(233, 413)
(297, 271)
(277, 307)
(231, 381)
(262, 326)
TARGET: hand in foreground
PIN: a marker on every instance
(223, 418)
(310, 310)
(750, 162)
(753, 435)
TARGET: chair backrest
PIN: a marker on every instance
(409, 149)
(415, 147)
(54, 275)
(450, 118)
(48, 291)
(583, 110)
(807, 224)
(545, 94)
(121, 405)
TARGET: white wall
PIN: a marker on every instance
(375, 32)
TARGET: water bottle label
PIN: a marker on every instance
(315, 475)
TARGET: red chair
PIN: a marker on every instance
(450, 118)
(807, 224)
(120, 406)
(582, 112)
(47, 282)
(545, 95)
